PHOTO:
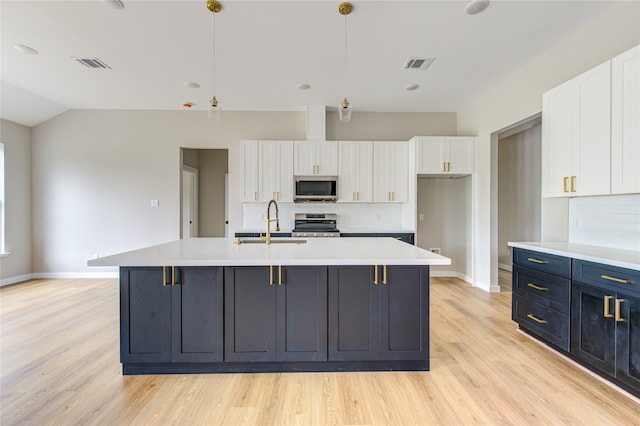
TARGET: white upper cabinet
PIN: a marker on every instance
(625, 122)
(390, 172)
(268, 170)
(355, 174)
(316, 158)
(275, 163)
(250, 163)
(444, 155)
(576, 136)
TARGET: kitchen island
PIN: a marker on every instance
(207, 305)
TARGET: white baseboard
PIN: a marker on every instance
(16, 279)
(55, 275)
(505, 266)
(454, 274)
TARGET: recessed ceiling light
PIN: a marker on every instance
(476, 6)
(25, 49)
(304, 86)
(411, 86)
(113, 4)
(191, 84)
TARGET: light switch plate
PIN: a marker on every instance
(155, 203)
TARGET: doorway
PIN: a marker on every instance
(203, 209)
(519, 199)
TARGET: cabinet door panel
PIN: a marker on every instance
(145, 316)
(628, 342)
(249, 315)
(198, 315)
(431, 155)
(592, 152)
(460, 155)
(404, 313)
(304, 158)
(327, 158)
(592, 335)
(353, 314)
(625, 122)
(559, 127)
(250, 158)
(302, 314)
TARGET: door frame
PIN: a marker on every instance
(190, 176)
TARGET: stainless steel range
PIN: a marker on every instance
(315, 225)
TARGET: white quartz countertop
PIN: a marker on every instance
(316, 251)
(629, 259)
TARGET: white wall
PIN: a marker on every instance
(446, 205)
(95, 172)
(519, 189)
(17, 152)
(519, 97)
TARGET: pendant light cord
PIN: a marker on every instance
(214, 53)
(345, 54)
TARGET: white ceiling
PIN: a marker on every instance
(264, 49)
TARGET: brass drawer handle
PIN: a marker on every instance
(607, 311)
(573, 184)
(375, 274)
(164, 276)
(538, 320)
(537, 287)
(618, 280)
(270, 274)
(564, 184)
(279, 274)
(531, 259)
(384, 274)
(618, 314)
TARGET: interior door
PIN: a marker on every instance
(189, 202)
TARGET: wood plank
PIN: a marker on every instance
(60, 365)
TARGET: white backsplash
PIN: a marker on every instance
(350, 216)
(611, 221)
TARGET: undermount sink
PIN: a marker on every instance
(273, 241)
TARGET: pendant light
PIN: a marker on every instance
(214, 109)
(344, 109)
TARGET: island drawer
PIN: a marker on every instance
(546, 289)
(546, 323)
(544, 262)
(613, 277)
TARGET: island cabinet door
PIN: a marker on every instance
(301, 314)
(197, 310)
(250, 314)
(354, 314)
(404, 313)
(593, 326)
(628, 341)
(145, 315)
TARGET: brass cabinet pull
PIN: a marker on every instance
(607, 311)
(444, 166)
(573, 184)
(564, 184)
(531, 259)
(536, 319)
(357, 195)
(279, 274)
(353, 195)
(618, 280)
(173, 275)
(270, 274)
(384, 274)
(255, 196)
(393, 196)
(164, 276)
(537, 287)
(448, 166)
(375, 274)
(618, 309)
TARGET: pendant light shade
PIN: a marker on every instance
(344, 111)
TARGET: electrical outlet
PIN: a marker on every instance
(435, 250)
(421, 217)
(155, 203)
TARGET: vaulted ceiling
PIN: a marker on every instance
(265, 50)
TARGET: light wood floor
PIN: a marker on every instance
(60, 365)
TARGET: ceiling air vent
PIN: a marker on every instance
(418, 63)
(92, 63)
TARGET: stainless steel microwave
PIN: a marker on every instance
(315, 189)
